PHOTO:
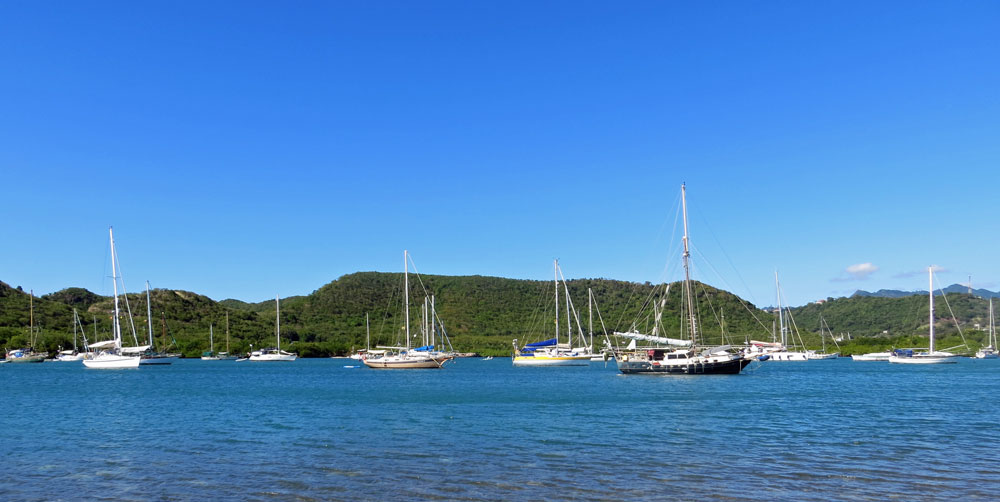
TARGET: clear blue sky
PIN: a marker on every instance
(247, 149)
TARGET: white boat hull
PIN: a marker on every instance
(924, 359)
(789, 356)
(273, 357)
(70, 357)
(872, 356)
(111, 362)
(391, 362)
(583, 360)
(818, 356)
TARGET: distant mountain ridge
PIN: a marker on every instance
(954, 288)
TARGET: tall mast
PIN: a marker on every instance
(227, 332)
(555, 273)
(116, 326)
(590, 316)
(149, 316)
(211, 340)
(368, 334)
(76, 320)
(687, 272)
(31, 317)
(433, 318)
(406, 295)
(781, 311)
(930, 274)
(993, 333)
(426, 311)
(277, 321)
(569, 315)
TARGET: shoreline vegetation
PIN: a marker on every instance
(482, 315)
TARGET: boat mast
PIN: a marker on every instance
(930, 274)
(368, 334)
(781, 312)
(31, 318)
(993, 333)
(569, 316)
(211, 340)
(555, 272)
(590, 316)
(76, 320)
(406, 296)
(149, 316)
(227, 332)
(433, 318)
(277, 322)
(687, 272)
(115, 325)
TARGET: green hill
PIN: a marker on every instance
(481, 314)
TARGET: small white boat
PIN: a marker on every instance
(274, 354)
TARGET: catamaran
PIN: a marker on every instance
(931, 356)
(110, 355)
(695, 358)
(274, 354)
(550, 352)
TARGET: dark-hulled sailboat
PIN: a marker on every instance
(691, 359)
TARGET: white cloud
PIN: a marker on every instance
(861, 271)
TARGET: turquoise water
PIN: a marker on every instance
(484, 430)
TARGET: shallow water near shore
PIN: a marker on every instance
(485, 430)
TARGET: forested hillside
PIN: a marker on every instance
(480, 314)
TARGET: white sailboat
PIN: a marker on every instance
(210, 355)
(873, 356)
(690, 360)
(990, 350)
(550, 352)
(110, 355)
(931, 356)
(148, 353)
(74, 354)
(783, 354)
(403, 357)
(823, 354)
(274, 354)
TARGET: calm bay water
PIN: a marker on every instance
(484, 430)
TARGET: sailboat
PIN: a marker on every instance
(550, 352)
(28, 354)
(823, 354)
(990, 350)
(75, 354)
(274, 354)
(695, 359)
(783, 354)
(931, 356)
(148, 353)
(403, 357)
(210, 354)
(110, 355)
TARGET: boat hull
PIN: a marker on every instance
(273, 358)
(872, 356)
(111, 362)
(789, 356)
(923, 359)
(695, 366)
(390, 363)
(153, 361)
(552, 361)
